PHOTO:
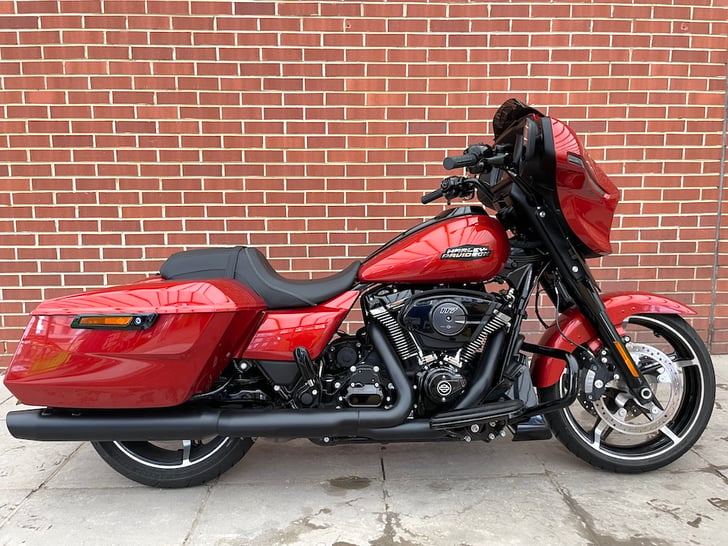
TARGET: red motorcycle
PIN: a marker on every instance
(173, 378)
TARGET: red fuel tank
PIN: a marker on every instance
(459, 245)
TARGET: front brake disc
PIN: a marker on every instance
(615, 411)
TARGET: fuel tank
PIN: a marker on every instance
(463, 244)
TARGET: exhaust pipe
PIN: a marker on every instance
(485, 372)
(412, 430)
(190, 424)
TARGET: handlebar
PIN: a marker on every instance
(432, 196)
(479, 159)
(458, 161)
(474, 157)
(451, 187)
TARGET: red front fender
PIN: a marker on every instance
(545, 371)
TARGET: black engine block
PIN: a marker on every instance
(446, 318)
(437, 335)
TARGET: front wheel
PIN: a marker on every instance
(618, 434)
(174, 464)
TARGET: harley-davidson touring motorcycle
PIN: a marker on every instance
(173, 378)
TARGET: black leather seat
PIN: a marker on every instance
(248, 266)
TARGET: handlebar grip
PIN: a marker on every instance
(457, 161)
(431, 196)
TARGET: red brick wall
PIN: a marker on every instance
(133, 129)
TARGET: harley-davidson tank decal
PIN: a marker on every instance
(466, 253)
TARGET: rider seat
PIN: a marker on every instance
(249, 266)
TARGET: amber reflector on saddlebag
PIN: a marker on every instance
(114, 322)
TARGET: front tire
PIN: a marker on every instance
(173, 464)
(614, 433)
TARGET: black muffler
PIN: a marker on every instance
(192, 423)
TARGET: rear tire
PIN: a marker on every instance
(173, 464)
(612, 433)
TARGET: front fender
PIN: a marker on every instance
(545, 371)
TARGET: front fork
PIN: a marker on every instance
(581, 287)
(613, 347)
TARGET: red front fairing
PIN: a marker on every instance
(200, 325)
(586, 195)
(420, 256)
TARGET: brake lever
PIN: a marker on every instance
(499, 160)
(480, 167)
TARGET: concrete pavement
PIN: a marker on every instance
(405, 494)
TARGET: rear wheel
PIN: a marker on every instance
(618, 434)
(174, 464)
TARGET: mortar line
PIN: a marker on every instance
(719, 213)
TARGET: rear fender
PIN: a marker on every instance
(545, 371)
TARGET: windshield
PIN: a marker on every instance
(509, 112)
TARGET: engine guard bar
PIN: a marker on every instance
(571, 389)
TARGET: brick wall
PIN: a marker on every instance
(133, 129)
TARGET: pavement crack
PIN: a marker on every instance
(720, 504)
(594, 537)
(665, 508)
(711, 468)
(293, 531)
(720, 474)
(14, 509)
(587, 521)
(58, 468)
(52, 475)
(393, 529)
(198, 514)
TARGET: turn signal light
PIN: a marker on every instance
(104, 321)
(114, 322)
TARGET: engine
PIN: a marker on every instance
(438, 335)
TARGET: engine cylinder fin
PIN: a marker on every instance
(496, 321)
(403, 344)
